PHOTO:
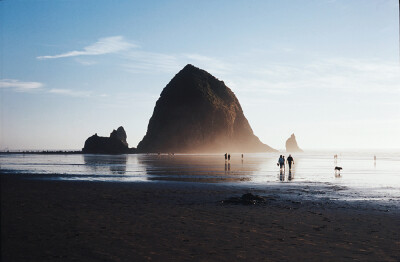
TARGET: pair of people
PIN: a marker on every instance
(227, 156)
(281, 161)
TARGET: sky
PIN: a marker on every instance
(327, 71)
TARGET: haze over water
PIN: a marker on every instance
(313, 172)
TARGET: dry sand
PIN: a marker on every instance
(45, 220)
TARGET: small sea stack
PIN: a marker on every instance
(291, 144)
(115, 144)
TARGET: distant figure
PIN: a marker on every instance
(290, 161)
(229, 157)
(335, 159)
(374, 160)
(281, 162)
(242, 156)
(337, 170)
(226, 156)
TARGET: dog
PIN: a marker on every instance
(338, 168)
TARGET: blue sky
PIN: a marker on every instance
(327, 71)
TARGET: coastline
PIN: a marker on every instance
(47, 220)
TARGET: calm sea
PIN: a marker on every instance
(313, 172)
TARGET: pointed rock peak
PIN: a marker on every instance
(191, 70)
(190, 67)
(291, 144)
(119, 134)
(197, 113)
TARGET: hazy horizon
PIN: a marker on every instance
(327, 71)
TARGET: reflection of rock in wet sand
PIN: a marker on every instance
(199, 168)
(115, 164)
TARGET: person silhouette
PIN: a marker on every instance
(229, 157)
(281, 162)
(226, 156)
(290, 161)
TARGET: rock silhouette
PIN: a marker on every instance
(198, 113)
(291, 144)
(115, 144)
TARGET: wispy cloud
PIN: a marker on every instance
(70, 92)
(142, 61)
(339, 74)
(342, 74)
(20, 86)
(37, 87)
(139, 61)
(253, 72)
(106, 45)
(85, 62)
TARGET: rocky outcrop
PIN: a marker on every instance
(197, 113)
(115, 144)
(291, 144)
(120, 135)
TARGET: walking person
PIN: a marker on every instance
(281, 162)
(229, 157)
(290, 161)
(226, 156)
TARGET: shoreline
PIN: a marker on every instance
(307, 192)
(47, 220)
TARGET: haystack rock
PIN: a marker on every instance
(115, 144)
(291, 144)
(197, 113)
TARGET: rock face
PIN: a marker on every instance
(115, 144)
(197, 113)
(291, 144)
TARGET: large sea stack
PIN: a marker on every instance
(291, 144)
(197, 113)
(115, 144)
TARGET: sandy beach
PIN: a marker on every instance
(45, 220)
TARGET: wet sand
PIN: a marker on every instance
(44, 220)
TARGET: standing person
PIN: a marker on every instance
(290, 161)
(281, 162)
(226, 156)
(229, 157)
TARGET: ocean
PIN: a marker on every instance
(313, 173)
